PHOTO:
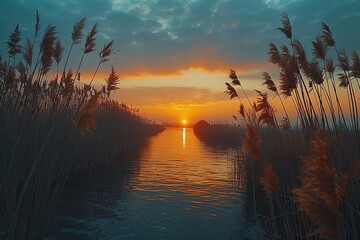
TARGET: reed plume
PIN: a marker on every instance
(47, 48)
(104, 57)
(299, 50)
(301, 56)
(319, 48)
(344, 61)
(242, 111)
(76, 34)
(288, 78)
(88, 48)
(286, 26)
(234, 79)
(13, 44)
(315, 73)
(112, 81)
(68, 84)
(231, 91)
(270, 85)
(263, 106)
(86, 120)
(28, 52)
(355, 67)
(236, 82)
(270, 185)
(58, 52)
(329, 64)
(90, 40)
(105, 52)
(251, 141)
(269, 180)
(327, 36)
(321, 190)
(274, 55)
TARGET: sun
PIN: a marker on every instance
(184, 121)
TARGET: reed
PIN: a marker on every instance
(321, 191)
(52, 129)
(306, 168)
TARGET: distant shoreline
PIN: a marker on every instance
(177, 125)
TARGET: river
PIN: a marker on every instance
(175, 188)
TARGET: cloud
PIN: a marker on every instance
(168, 36)
(165, 96)
(175, 98)
(171, 103)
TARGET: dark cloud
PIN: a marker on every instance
(343, 17)
(167, 36)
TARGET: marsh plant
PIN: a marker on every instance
(302, 170)
(54, 124)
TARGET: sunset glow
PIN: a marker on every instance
(171, 119)
(172, 64)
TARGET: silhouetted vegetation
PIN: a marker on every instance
(53, 124)
(219, 134)
(306, 176)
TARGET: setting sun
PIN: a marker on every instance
(184, 121)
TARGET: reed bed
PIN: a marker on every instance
(54, 124)
(303, 175)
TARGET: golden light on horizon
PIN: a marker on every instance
(184, 121)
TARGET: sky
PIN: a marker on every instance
(173, 56)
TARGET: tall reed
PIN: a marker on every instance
(307, 175)
(51, 129)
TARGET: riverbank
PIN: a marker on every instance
(54, 125)
(218, 134)
(39, 151)
(176, 188)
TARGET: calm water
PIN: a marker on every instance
(176, 188)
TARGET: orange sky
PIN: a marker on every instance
(194, 95)
(173, 56)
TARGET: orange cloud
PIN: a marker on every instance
(195, 64)
(205, 58)
(140, 70)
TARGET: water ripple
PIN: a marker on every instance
(178, 189)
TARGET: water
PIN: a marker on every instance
(176, 188)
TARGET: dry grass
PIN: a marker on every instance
(251, 142)
(86, 120)
(324, 199)
(112, 81)
(322, 189)
(44, 126)
(269, 180)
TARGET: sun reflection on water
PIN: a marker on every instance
(184, 137)
(169, 192)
